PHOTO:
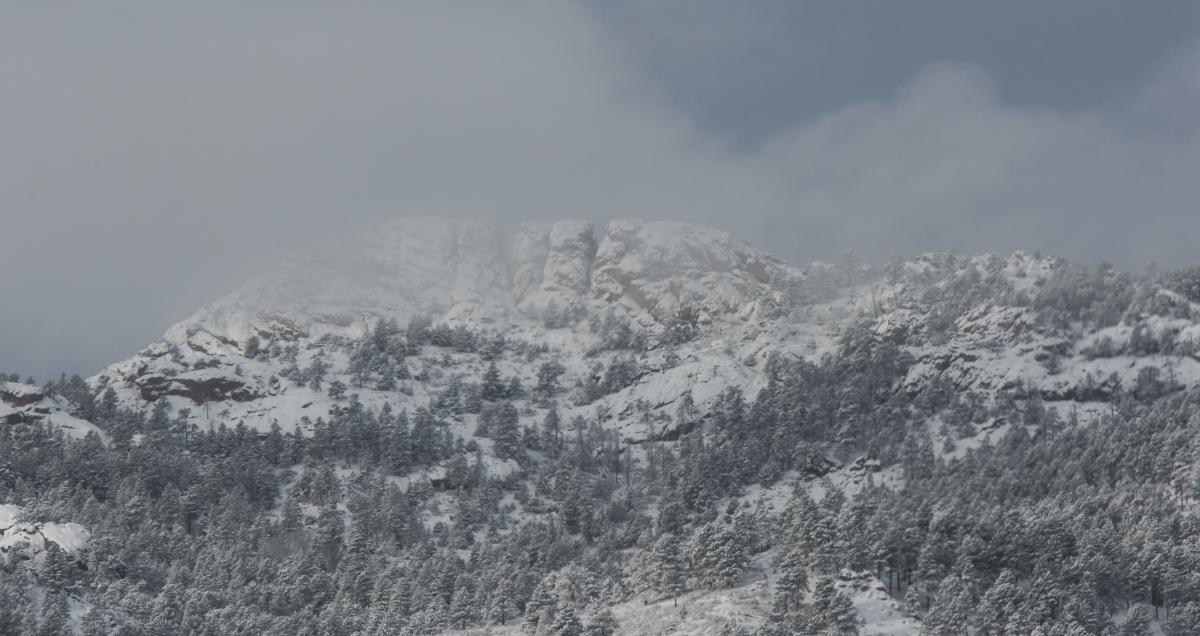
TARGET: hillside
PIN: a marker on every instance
(437, 425)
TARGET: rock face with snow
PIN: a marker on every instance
(473, 271)
(546, 284)
(30, 540)
(553, 264)
(697, 311)
(660, 267)
(24, 403)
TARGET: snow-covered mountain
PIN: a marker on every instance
(617, 394)
(697, 311)
(556, 285)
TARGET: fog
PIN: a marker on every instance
(154, 156)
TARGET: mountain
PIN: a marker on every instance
(695, 310)
(437, 424)
(585, 297)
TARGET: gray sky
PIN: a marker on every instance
(152, 156)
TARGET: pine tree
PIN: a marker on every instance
(952, 610)
(547, 378)
(1137, 620)
(832, 609)
(463, 610)
(56, 569)
(1000, 602)
(566, 622)
(328, 540)
(168, 609)
(501, 609)
(12, 599)
(54, 618)
(507, 434)
(718, 554)
(552, 431)
(671, 517)
(791, 581)
(253, 347)
(492, 387)
(1184, 620)
(600, 622)
(666, 571)
(1021, 621)
(91, 623)
(399, 445)
(424, 437)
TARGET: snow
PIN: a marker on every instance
(773, 498)
(20, 391)
(699, 612)
(879, 613)
(72, 538)
(706, 612)
(9, 514)
(73, 426)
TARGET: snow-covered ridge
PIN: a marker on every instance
(984, 324)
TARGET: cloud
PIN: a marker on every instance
(945, 164)
(153, 156)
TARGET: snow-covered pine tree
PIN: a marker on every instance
(667, 567)
(718, 554)
(791, 581)
(832, 610)
(600, 621)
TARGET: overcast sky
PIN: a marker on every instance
(153, 155)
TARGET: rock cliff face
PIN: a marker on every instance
(661, 266)
(474, 271)
(552, 264)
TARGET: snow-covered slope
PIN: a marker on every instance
(546, 285)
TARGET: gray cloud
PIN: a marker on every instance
(944, 164)
(750, 73)
(152, 156)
